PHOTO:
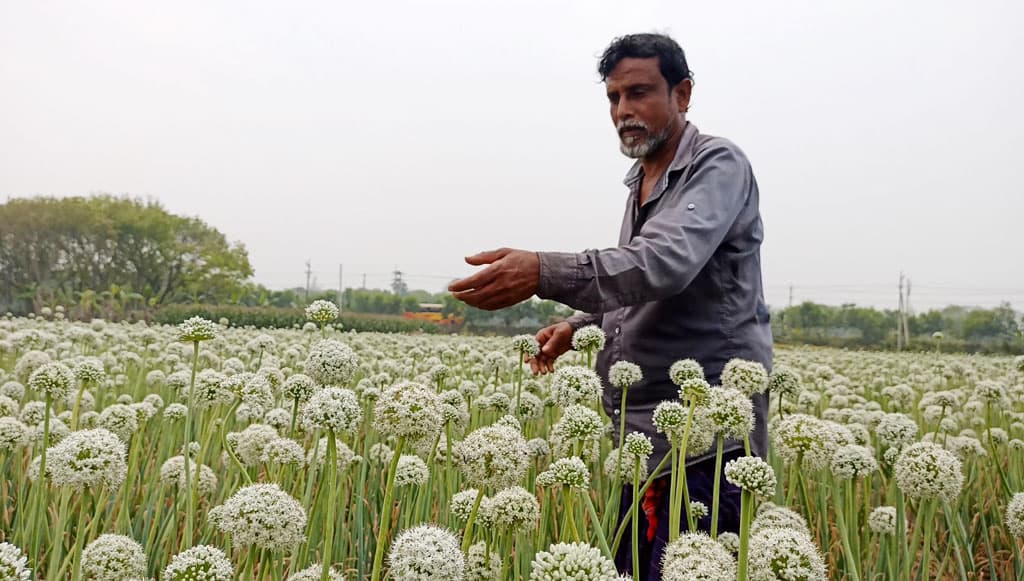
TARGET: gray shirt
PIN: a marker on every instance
(684, 282)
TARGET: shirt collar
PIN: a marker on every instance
(683, 157)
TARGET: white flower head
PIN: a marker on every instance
(331, 362)
(571, 472)
(53, 379)
(749, 377)
(752, 474)
(1015, 515)
(853, 461)
(926, 470)
(525, 345)
(196, 329)
(409, 409)
(624, 374)
(784, 553)
(113, 558)
(321, 311)
(261, 515)
(575, 384)
(13, 563)
(200, 563)
(332, 408)
(492, 457)
(588, 338)
(572, 562)
(882, 520)
(426, 553)
(88, 459)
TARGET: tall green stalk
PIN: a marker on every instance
(386, 512)
(186, 540)
(332, 479)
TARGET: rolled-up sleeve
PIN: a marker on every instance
(677, 240)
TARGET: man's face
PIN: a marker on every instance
(644, 109)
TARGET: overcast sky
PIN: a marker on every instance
(883, 135)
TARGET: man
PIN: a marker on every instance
(684, 281)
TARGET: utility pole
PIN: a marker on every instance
(364, 281)
(906, 317)
(309, 273)
(899, 318)
(341, 289)
(791, 295)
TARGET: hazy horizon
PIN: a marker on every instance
(884, 137)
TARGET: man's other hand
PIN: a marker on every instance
(511, 277)
(554, 340)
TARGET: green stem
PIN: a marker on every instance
(717, 488)
(332, 479)
(635, 509)
(602, 542)
(189, 501)
(746, 515)
(467, 535)
(386, 512)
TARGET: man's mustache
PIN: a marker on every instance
(624, 126)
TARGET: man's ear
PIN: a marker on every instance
(681, 92)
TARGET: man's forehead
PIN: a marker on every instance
(631, 71)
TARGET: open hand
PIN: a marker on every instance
(511, 277)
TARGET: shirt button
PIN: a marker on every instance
(616, 412)
(690, 206)
(617, 329)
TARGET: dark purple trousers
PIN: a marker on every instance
(700, 481)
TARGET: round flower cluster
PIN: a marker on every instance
(571, 472)
(321, 311)
(896, 430)
(408, 409)
(262, 515)
(684, 370)
(731, 412)
(331, 362)
(173, 472)
(770, 515)
(424, 553)
(298, 387)
(12, 434)
(13, 563)
(462, 503)
(578, 423)
(624, 467)
(731, 541)
(1015, 515)
(89, 371)
(411, 471)
(669, 417)
(314, 572)
(990, 391)
(515, 509)
(200, 563)
(696, 552)
(853, 461)
(588, 338)
(696, 391)
(574, 384)
(481, 566)
(882, 520)
(332, 408)
(624, 374)
(571, 561)
(784, 553)
(784, 381)
(113, 558)
(752, 474)
(638, 445)
(926, 470)
(804, 438)
(748, 377)
(52, 379)
(492, 457)
(525, 345)
(196, 329)
(87, 459)
(120, 419)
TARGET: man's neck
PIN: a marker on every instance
(655, 164)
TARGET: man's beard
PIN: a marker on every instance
(644, 146)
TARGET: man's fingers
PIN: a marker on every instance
(486, 257)
(474, 281)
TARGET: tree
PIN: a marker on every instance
(57, 249)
